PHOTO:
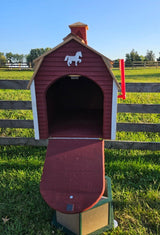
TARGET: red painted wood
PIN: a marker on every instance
(77, 124)
(92, 67)
(73, 175)
(80, 32)
(123, 88)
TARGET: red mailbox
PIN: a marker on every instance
(74, 101)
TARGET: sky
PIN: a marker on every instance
(115, 27)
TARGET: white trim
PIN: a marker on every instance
(34, 110)
(114, 110)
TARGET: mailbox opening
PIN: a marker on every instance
(74, 108)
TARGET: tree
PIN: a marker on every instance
(158, 59)
(150, 56)
(18, 58)
(2, 59)
(116, 63)
(9, 57)
(14, 58)
(142, 58)
(34, 53)
(132, 56)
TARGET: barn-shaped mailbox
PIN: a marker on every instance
(74, 101)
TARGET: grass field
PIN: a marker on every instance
(135, 187)
(135, 174)
(139, 75)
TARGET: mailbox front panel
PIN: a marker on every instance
(56, 66)
(73, 174)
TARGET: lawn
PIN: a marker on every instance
(135, 174)
(15, 74)
(131, 75)
(135, 187)
(139, 75)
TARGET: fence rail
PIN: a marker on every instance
(110, 144)
(130, 87)
(133, 127)
(125, 108)
(15, 65)
(122, 108)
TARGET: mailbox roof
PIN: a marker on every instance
(108, 63)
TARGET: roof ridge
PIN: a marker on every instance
(39, 60)
(74, 35)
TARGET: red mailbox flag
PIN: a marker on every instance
(123, 87)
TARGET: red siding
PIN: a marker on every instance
(54, 67)
(80, 31)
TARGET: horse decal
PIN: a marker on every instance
(75, 58)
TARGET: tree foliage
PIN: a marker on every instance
(132, 56)
(2, 59)
(14, 58)
(158, 59)
(35, 53)
(150, 56)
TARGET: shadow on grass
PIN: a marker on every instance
(26, 210)
(21, 202)
(20, 199)
(135, 179)
(20, 166)
(133, 170)
(130, 155)
(26, 152)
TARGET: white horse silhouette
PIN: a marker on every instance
(75, 58)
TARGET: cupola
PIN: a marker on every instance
(80, 30)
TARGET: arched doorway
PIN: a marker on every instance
(74, 108)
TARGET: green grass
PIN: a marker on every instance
(131, 75)
(135, 187)
(139, 75)
(20, 200)
(7, 94)
(135, 174)
(140, 98)
(147, 75)
(15, 74)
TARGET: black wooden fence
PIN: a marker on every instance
(124, 108)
